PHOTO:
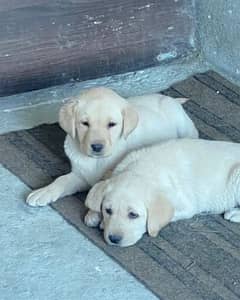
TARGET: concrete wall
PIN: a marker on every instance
(27, 110)
(47, 43)
(219, 33)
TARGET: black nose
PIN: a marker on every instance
(97, 147)
(115, 239)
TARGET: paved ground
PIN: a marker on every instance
(43, 257)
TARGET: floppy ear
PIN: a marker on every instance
(182, 100)
(130, 120)
(96, 195)
(67, 117)
(160, 213)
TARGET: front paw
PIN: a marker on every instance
(92, 218)
(233, 215)
(42, 197)
(101, 226)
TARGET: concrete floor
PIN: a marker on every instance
(43, 257)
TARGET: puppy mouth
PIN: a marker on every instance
(121, 244)
(95, 155)
(115, 244)
(98, 155)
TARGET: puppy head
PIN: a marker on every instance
(98, 118)
(124, 217)
(128, 210)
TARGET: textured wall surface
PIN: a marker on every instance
(219, 32)
(37, 107)
(45, 43)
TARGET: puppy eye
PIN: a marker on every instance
(108, 211)
(85, 123)
(133, 215)
(111, 124)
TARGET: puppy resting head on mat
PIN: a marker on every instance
(168, 182)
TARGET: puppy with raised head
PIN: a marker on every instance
(163, 183)
(101, 128)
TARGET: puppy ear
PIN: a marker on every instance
(96, 195)
(130, 120)
(160, 213)
(67, 117)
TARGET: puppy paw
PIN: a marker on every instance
(233, 215)
(41, 197)
(101, 226)
(92, 219)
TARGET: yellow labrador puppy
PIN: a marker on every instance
(101, 128)
(168, 182)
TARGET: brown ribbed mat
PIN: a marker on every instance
(193, 259)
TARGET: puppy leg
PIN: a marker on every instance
(63, 186)
(233, 215)
(92, 218)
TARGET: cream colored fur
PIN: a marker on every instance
(135, 122)
(168, 182)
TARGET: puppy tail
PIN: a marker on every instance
(182, 100)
